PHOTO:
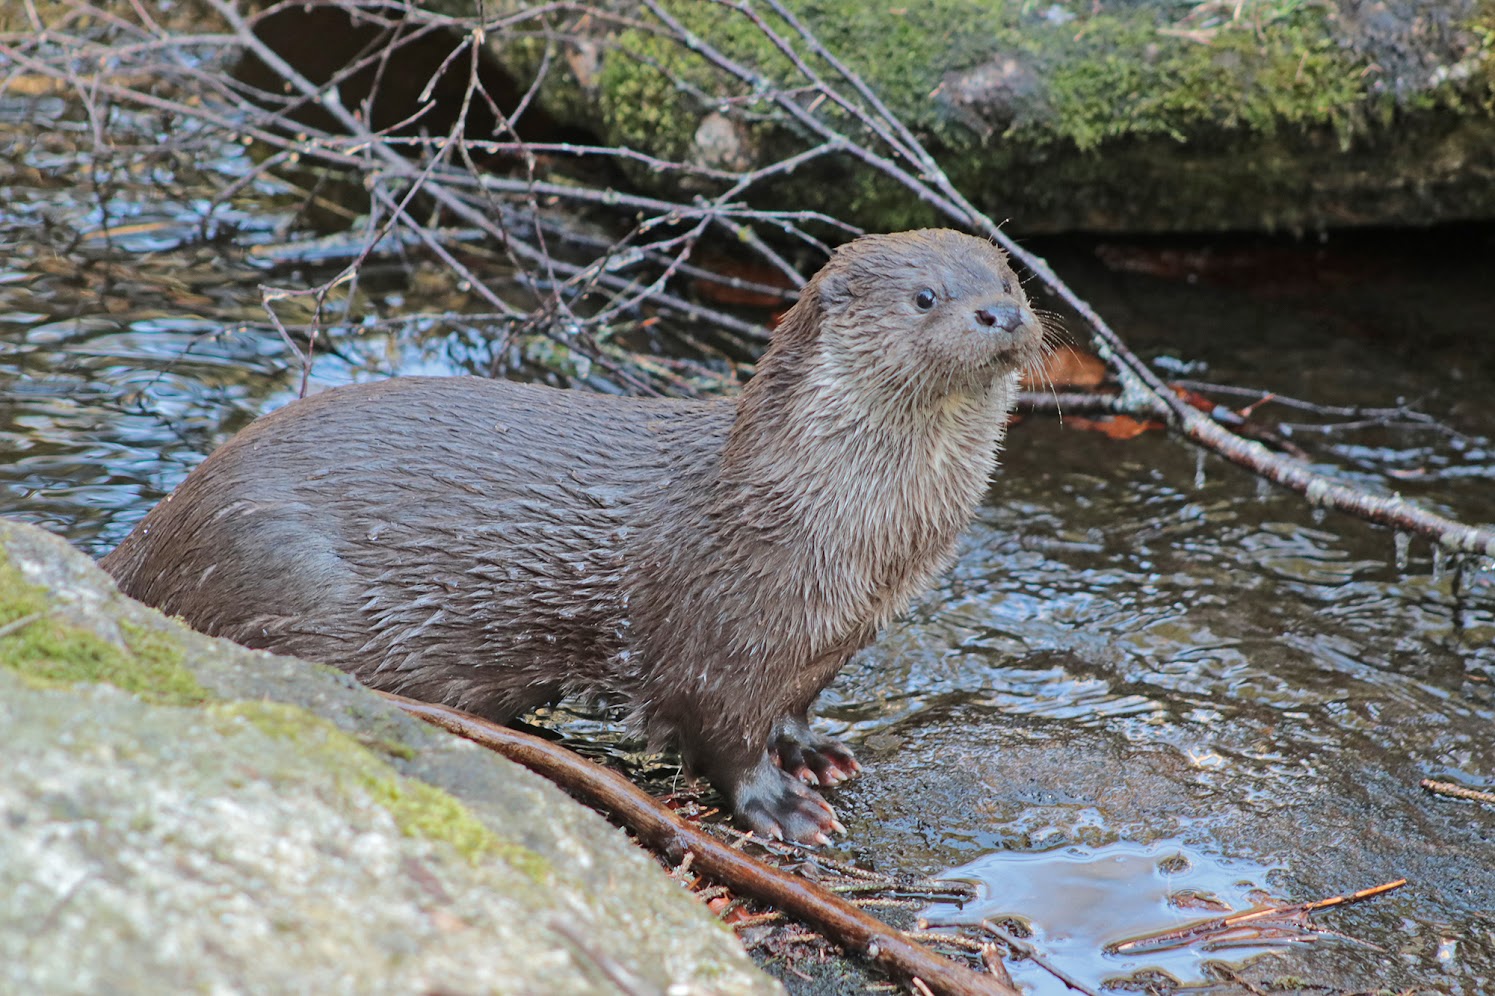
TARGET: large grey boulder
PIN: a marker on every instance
(181, 814)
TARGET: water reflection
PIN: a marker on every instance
(1075, 903)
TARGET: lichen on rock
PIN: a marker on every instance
(184, 814)
(1148, 115)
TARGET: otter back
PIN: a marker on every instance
(454, 539)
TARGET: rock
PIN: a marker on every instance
(1142, 116)
(183, 814)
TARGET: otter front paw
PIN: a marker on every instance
(810, 757)
(776, 805)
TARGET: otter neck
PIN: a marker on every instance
(809, 400)
(871, 491)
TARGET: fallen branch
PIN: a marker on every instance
(1268, 923)
(1453, 791)
(668, 834)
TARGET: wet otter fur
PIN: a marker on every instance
(712, 564)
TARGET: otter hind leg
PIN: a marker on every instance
(742, 766)
(809, 756)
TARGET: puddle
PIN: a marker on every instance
(1075, 904)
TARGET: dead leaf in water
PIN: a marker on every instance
(1066, 368)
(1114, 426)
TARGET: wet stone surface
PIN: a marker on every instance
(1016, 790)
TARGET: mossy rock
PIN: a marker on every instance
(1139, 115)
(184, 814)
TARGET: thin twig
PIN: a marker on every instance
(16, 625)
(1268, 918)
(1037, 957)
(1454, 791)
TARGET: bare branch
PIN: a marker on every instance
(582, 256)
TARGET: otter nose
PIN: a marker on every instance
(1007, 317)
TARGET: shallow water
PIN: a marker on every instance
(1118, 662)
(1127, 656)
(1126, 659)
(1073, 903)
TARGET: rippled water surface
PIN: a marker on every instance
(1133, 651)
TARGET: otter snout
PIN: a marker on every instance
(1006, 317)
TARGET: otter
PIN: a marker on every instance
(712, 564)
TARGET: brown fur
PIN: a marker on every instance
(493, 545)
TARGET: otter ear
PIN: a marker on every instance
(835, 292)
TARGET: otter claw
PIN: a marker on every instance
(810, 757)
(777, 805)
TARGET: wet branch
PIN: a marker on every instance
(1271, 922)
(1450, 790)
(668, 834)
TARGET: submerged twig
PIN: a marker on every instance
(1453, 791)
(1031, 953)
(1256, 923)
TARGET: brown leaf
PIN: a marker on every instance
(1194, 399)
(720, 903)
(1066, 368)
(1114, 426)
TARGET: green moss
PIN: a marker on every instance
(393, 748)
(418, 809)
(48, 651)
(642, 95)
(1112, 78)
(1124, 77)
(1105, 75)
(1095, 111)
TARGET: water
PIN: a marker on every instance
(1129, 656)
(1137, 653)
(1078, 904)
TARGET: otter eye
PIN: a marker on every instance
(924, 300)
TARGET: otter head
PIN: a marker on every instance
(914, 317)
